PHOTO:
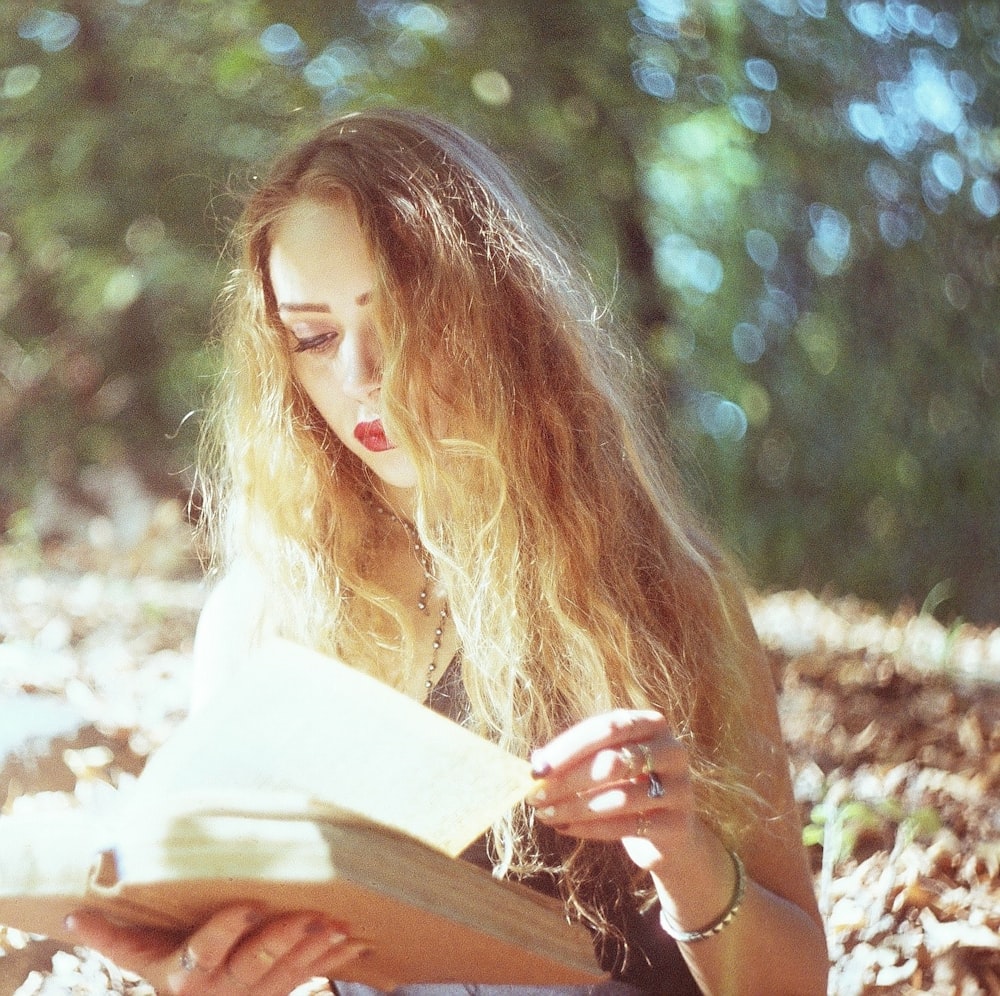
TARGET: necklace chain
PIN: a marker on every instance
(424, 559)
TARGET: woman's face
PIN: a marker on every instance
(323, 275)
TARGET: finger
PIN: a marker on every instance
(127, 947)
(328, 964)
(630, 826)
(261, 950)
(324, 956)
(320, 953)
(605, 803)
(648, 764)
(203, 956)
(655, 762)
(209, 947)
(285, 944)
(583, 739)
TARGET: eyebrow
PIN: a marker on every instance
(361, 300)
(305, 306)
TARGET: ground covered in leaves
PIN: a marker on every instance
(893, 725)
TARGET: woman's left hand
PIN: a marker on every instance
(619, 775)
(239, 951)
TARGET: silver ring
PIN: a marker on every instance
(643, 825)
(654, 787)
(188, 961)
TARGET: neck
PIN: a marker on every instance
(401, 502)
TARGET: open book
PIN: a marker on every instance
(308, 786)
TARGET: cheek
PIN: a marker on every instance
(318, 384)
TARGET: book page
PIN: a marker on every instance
(298, 721)
(48, 852)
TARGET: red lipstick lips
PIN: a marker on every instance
(372, 436)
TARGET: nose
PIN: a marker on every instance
(361, 364)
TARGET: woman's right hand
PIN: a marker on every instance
(238, 952)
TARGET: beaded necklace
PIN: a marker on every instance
(426, 563)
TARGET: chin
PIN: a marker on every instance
(393, 469)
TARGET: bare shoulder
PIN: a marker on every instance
(232, 621)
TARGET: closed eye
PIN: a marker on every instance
(321, 340)
(313, 335)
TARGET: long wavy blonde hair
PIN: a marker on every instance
(577, 579)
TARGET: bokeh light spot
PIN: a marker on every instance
(866, 120)
(751, 112)
(762, 248)
(654, 79)
(19, 81)
(282, 45)
(722, 419)
(828, 248)
(986, 197)
(680, 262)
(761, 73)
(948, 171)
(749, 343)
(492, 88)
(51, 30)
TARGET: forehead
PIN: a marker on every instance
(319, 249)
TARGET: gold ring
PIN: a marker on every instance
(628, 758)
(265, 956)
(647, 758)
(643, 824)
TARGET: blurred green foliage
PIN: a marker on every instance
(794, 202)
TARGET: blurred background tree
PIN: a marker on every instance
(793, 202)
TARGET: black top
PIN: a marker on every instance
(654, 964)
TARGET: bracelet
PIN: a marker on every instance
(725, 918)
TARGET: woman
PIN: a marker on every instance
(424, 460)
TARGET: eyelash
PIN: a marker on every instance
(316, 342)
